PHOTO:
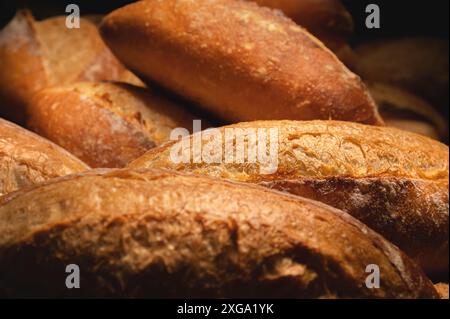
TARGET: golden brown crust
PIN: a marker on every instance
(237, 60)
(442, 289)
(27, 159)
(164, 234)
(105, 124)
(38, 54)
(395, 181)
(328, 20)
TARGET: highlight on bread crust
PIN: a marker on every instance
(328, 20)
(394, 181)
(164, 234)
(237, 60)
(105, 124)
(27, 159)
(39, 54)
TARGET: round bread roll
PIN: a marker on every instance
(394, 181)
(237, 60)
(105, 124)
(27, 159)
(163, 234)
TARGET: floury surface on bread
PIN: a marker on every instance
(394, 181)
(151, 233)
(237, 60)
(27, 159)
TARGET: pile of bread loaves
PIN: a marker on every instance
(353, 208)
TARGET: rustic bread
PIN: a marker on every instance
(163, 234)
(402, 109)
(328, 20)
(105, 124)
(35, 55)
(394, 181)
(237, 60)
(27, 159)
(442, 289)
(419, 65)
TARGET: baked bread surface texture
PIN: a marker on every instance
(394, 181)
(38, 54)
(27, 159)
(237, 60)
(105, 124)
(152, 233)
(328, 20)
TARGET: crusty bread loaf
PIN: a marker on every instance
(394, 181)
(419, 65)
(35, 55)
(237, 60)
(402, 109)
(328, 20)
(163, 234)
(105, 124)
(442, 289)
(27, 159)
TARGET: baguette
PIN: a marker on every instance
(27, 159)
(328, 20)
(163, 234)
(419, 65)
(105, 124)
(38, 54)
(237, 60)
(394, 181)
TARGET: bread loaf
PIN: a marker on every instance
(105, 124)
(442, 289)
(402, 109)
(35, 55)
(237, 60)
(163, 234)
(328, 20)
(27, 159)
(394, 181)
(419, 65)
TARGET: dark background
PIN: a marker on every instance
(398, 17)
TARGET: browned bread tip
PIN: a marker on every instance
(39, 54)
(328, 20)
(27, 159)
(163, 234)
(237, 60)
(394, 181)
